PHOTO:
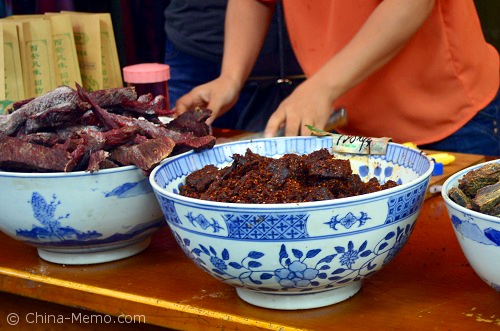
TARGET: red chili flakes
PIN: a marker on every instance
(253, 178)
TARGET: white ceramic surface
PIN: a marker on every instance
(79, 217)
(296, 255)
(478, 234)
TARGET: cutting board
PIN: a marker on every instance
(462, 161)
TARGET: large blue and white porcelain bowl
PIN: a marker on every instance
(80, 217)
(295, 255)
(478, 234)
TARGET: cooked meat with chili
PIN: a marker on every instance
(252, 178)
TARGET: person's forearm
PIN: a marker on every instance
(383, 35)
(247, 22)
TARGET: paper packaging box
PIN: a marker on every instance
(37, 53)
(14, 87)
(112, 74)
(59, 49)
(2, 67)
(87, 33)
(65, 57)
(38, 64)
(96, 48)
(65, 67)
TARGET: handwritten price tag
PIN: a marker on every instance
(354, 144)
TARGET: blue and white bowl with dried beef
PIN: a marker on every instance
(79, 217)
(74, 169)
(339, 224)
(472, 198)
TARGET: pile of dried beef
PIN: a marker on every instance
(72, 130)
(252, 178)
(479, 190)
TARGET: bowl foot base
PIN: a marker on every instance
(82, 256)
(296, 301)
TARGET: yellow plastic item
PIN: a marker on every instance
(444, 158)
(410, 144)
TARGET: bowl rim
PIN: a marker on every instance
(291, 205)
(455, 177)
(59, 174)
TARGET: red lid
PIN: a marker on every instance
(146, 73)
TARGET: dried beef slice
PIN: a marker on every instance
(71, 130)
(293, 178)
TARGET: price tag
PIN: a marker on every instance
(354, 144)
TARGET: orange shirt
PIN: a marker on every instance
(439, 81)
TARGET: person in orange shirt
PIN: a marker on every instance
(416, 71)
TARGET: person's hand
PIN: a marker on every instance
(310, 104)
(378, 41)
(218, 95)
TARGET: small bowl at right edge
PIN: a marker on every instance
(478, 234)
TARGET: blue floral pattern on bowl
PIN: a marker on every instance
(478, 234)
(470, 230)
(53, 233)
(315, 251)
(297, 269)
(51, 228)
(80, 217)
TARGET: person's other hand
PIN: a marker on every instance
(310, 104)
(218, 95)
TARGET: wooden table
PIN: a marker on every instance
(428, 286)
